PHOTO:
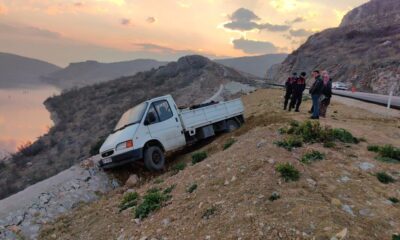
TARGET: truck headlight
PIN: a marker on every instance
(124, 145)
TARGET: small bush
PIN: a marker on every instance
(373, 148)
(288, 172)
(387, 153)
(152, 201)
(396, 237)
(229, 143)
(198, 157)
(274, 196)
(192, 188)
(289, 143)
(179, 167)
(394, 200)
(169, 189)
(129, 200)
(329, 145)
(384, 178)
(312, 157)
(209, 212)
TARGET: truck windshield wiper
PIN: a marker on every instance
(125, 126)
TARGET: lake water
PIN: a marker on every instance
(23, 117)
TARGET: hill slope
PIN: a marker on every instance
(17, 71)
(91, 72)
(256, 66)
(364, 50)
(234, 186)
(85, 116)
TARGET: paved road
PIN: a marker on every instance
(370, 97)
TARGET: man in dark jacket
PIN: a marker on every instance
(298, 89)
(289, 89)
(316, 92)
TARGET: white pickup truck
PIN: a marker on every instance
(152, 128)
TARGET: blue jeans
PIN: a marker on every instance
(315, 101)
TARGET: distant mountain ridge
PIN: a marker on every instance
(92, 72)
(363, 51)
(255, 65)
(17, 71)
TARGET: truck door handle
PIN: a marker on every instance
(176, 119)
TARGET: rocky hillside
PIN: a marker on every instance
(91, 72)
(257, 65)
(254, 184)
(83, 117)
(17, 71)
(363, 51)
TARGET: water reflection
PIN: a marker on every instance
(23, 116)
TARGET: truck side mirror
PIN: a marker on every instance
(151, 118)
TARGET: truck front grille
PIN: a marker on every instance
(107, 153)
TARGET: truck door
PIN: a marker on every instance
(164, 126)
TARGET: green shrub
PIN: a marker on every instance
(387, 153)
(394, 200)
(312, 157)
(192, 188)
(396, 237)
(169, 189)
(373, 148)
(312, 132)
(274, 196)
(288, 172)
(289, 143)
(229, 143)
(152, 201)
(179, 167)
(209, 212)
(129, 200)
(198, 157)
(384, 178)
(329, 145)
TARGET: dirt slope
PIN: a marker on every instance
(334, 195)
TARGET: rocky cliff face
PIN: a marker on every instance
(363, 51)
(87, 115)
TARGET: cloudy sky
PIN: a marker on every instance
(64, 31)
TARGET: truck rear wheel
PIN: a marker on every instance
(232, 125)
(154, 158)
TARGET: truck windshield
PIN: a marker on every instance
(132, 116)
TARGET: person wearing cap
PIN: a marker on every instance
(298, 88)
(289, 89)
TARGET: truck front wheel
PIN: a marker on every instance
(154, 158)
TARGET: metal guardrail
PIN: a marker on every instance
(365, 97)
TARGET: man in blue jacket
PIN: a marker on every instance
(316, 92)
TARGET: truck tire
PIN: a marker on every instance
(154, 159)
(232, 125)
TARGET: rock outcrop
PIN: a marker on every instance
(363, 51)
(22, 214)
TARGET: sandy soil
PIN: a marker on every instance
(331, 196)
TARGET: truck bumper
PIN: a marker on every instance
(122, 159)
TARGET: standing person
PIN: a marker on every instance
(316, 92)
(289, 89)
(325, 99)
(298, 88)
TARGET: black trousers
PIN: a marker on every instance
(287, 98)
(297, 98)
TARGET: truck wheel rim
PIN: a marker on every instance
(156, 157)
